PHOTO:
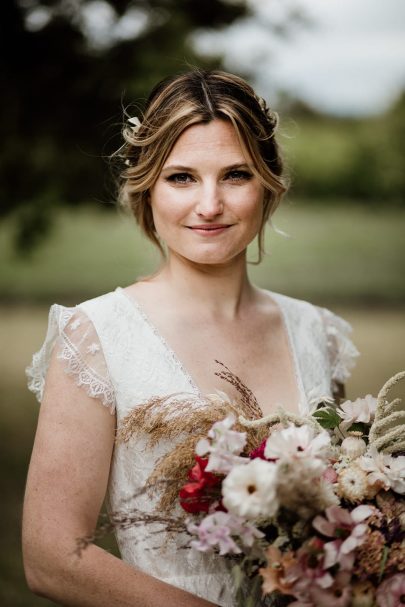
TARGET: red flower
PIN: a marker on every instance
(259, 452)
(196, 495)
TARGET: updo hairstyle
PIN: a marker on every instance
(197, 97)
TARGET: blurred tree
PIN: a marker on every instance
(67, 66)
(343, 159)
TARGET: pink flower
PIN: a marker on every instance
(309, 569)
(338, 595)
(360, 410)
(297, 443)
(330, 475)
(224, 447)
(384, 469)
(218, 529)
(348, 528)
(391, 593)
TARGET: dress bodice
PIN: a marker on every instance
(110, 347)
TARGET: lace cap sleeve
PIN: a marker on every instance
(73, 334)
(341, 350)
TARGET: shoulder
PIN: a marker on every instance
(297, 309)
(307, 319)
(75, 333)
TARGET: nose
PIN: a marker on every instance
(210, 203)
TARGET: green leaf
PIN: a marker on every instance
(327, 417)
(237, 576)
(383, 562)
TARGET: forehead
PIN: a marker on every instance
(216, 138)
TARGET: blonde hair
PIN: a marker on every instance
(191, 98)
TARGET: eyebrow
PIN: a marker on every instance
(178, 167)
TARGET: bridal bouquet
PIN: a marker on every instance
(309, 511)
(314, 514)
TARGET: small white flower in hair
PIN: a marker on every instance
(135, 123)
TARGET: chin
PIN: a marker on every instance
(212, 258)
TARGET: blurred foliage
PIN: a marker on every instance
(347, 254)
(63, 91)
(339, 158)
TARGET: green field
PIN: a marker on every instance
(346, 255)
(350, 259)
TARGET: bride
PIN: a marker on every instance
(202, 176)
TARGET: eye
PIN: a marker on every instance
(239, 175)
(180, 178)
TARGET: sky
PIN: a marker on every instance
(349, 59)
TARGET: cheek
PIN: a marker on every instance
(166, 208)
(249, 204)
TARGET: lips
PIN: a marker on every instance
(210, 227)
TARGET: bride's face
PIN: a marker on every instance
(207, 204)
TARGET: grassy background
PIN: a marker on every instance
(349, 255)
(351, 259)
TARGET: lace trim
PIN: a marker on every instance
(173, 356)
(36, 371)
(282, 305)
(95, 384)
(342, 352)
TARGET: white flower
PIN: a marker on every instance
(224, 447)
(296, 443)
(360, 410)
(353, 445)
(250, 490)
(135, 123)
(301, 488)
(384, 468)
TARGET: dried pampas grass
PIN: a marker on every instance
(185, 419)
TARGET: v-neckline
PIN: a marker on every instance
(275, 297)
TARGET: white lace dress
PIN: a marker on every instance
(111, 349)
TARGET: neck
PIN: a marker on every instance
(212, 290)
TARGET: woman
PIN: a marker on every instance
(203, 174)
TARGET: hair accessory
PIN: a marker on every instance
(271, 116)
(135, 123)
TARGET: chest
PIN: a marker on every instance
(257, 350)
(283, 362)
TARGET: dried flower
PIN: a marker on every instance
(369, 554)
(352, 483)
(274, 573)
(353, 446)
(396, 558)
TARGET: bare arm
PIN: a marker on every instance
(66, 484)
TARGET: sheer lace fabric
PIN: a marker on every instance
(109, 347)
(72, 333)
